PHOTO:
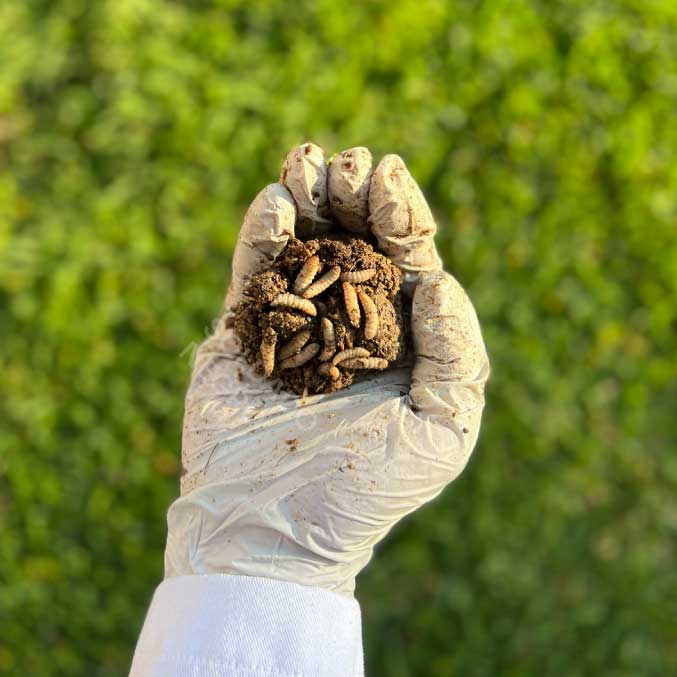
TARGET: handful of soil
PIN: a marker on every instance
(327, 312)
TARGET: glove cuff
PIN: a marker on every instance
(218, 624)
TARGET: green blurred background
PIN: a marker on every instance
(133, 134)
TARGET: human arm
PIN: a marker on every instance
(279, 521)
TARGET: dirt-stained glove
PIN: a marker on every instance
(302, 489)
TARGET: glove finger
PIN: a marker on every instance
(268, 225)
(401, 220)
(304, 173)
(348, 187)
(452, 365)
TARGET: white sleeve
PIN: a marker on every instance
(219, 625)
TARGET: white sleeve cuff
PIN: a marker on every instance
(218, 625)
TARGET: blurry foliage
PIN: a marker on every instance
(133, 133)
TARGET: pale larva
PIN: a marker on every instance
(358, 276)
(350, 299)
(329, 339)
(370, 315)
(349, 354)
(295, 302)
(322, 283)
(268, 350)
(306, 274)
(294, 344)
(365, 363)
(301, 358)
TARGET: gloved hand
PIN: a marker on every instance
(301, 490)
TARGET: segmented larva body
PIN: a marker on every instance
(350, 299)
(365, 363)
(268, 351)
(329, 339)
(358, 276)
(294, 344)
(302, 357)
(321, 307)
(322, 283)
(328, 370)
(306, 274)
(350, 354)
(370, 315)
(295, 302)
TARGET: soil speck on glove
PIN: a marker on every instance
(310, 368)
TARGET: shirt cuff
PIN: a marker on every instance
(216, 625)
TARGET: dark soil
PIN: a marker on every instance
(255, 317)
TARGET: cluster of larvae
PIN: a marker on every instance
(326, 310)
(298, 351)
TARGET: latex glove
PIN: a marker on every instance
(302, 490)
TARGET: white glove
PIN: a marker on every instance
(301, 490)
